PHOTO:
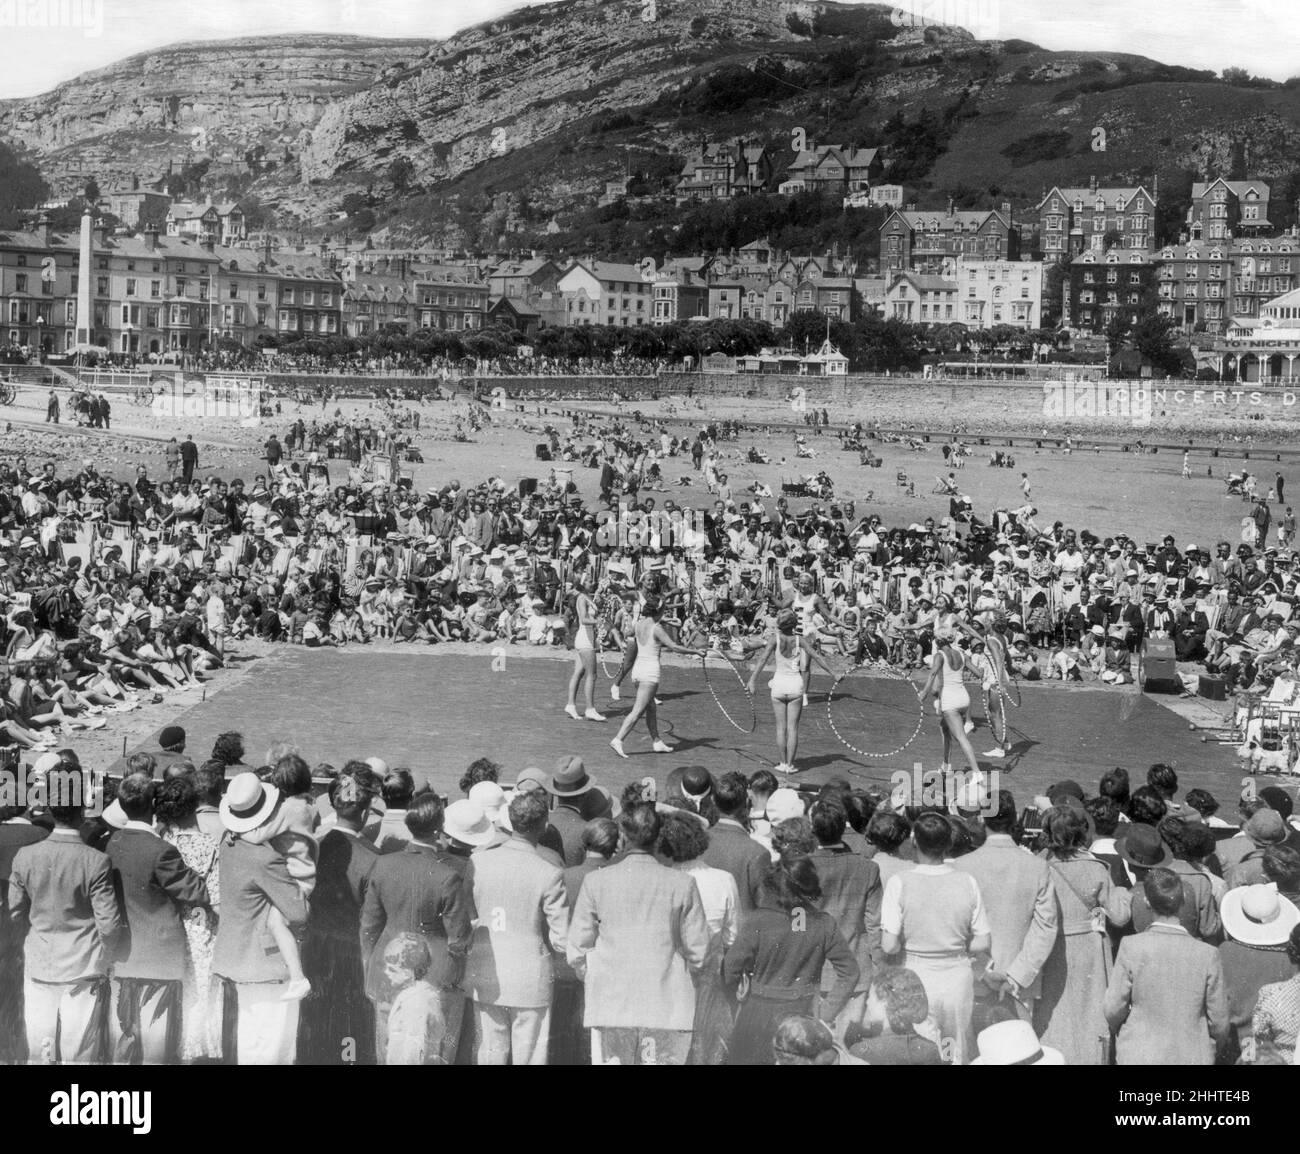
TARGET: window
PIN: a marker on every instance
(22, 260)
(1135, 278)
(102, 263)
(101, 286)
(1112, 276)
(261, 292)
(151, 318)
(327, 299)
(181, 285)
(286, 320)
(69, 312)
(155, 289)
(20, 282)
(287, 296)
(308, 297)
(130, 286)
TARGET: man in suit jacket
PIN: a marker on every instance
(16, 831)
(637, 938)
(153, 887)
(520, 905)
(570, 1043)
(730, 846)
(1022, 910)
(254, 879)
(416, 891)
(331, 954)
(1166, 999)
(61, 896)
(851, 892)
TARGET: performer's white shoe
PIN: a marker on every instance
(805, 701)
(614, 692)
(572, 711)
(662, 747)
(995, 753)
(969, 727)
(592, 715)
(658, 702)
(617, 747)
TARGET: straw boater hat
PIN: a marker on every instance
(464, 821)
(248, 803)
(1014, 1043)
(1258, 915)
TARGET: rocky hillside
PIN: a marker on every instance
(515, 82)
(214, 99)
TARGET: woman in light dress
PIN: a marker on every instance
(175, 811)
(1068, 1015)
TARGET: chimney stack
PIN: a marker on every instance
(45, 228)
(1092, 183)
(951, 204)
(151, 237)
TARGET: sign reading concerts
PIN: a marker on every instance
(1143, 402)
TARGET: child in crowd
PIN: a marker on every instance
(291, 830)
(416, 1027)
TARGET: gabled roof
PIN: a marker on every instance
(850, 156)
(926, 282)
(1089, 195)
(1238, 188)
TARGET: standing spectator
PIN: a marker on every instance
(1258, 923)
(389, 834)
(154, 886)
(255, 880)
(16, 830)
(1076, 972)
(172, 452)
(570, 1043)
(683, 837)
(331, 955)
(730, 846)
(851, 893)
(273, 452)
(778, 960)
(935, 915)
(52, 408)
(61, 896)
(1279, 484)
(638, 936)
(189, 458)
(1166, 1000)
(415, 891)
(1277, 1014)
(1022, 910)
(519, 899)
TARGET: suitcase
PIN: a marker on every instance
(1212, 687)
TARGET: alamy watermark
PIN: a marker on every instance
(979, 17)
(85, 16)
(968, 790)
(59, 788)
(224, 398)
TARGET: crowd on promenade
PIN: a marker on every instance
(205, 910)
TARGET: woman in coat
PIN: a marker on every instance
(1068, 1016)
(776, 964)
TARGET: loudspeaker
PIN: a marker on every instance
(1158, 671)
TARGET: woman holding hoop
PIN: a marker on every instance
(649, 639)
(993, 674)
(952, 702)
(793, 655)
(584, 653)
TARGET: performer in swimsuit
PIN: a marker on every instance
(650, 638)
(952, 702)
(793, 655)
(807, 603)
(584, 653)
